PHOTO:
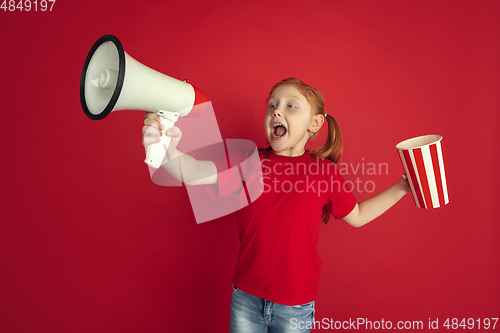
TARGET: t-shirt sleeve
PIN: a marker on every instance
(341, 200)
(244, 170)
(228, 179)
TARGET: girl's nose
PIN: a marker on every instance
(277, 112)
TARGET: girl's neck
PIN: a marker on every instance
(289, 153)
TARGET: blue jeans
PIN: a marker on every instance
(251, 314)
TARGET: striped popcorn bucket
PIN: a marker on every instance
(422, 159)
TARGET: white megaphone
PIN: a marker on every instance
(112, 80)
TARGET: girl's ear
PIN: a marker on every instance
(318, 121)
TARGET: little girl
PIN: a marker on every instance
(278, 268)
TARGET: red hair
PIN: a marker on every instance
(332, 147)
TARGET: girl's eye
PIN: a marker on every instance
(291, 106)
(271, 106)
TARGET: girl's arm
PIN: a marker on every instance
(369, 209)
(189, 170)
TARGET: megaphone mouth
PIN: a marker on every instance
(119, 80)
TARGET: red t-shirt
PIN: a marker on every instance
(278, 258)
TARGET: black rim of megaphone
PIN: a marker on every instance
(119, 83)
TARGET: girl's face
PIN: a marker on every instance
(289, 121)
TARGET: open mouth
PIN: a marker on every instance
(278, 130)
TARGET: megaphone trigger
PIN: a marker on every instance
(155, 153)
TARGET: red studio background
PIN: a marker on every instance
(90, 244)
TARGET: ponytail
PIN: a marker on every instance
(332, 149)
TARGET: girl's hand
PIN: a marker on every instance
(151, 130)
(151, 134)
(403, 183)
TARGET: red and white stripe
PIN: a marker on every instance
(424, 167)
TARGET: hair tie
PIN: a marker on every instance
(326, 114)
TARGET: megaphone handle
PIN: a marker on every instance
(156, 152)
